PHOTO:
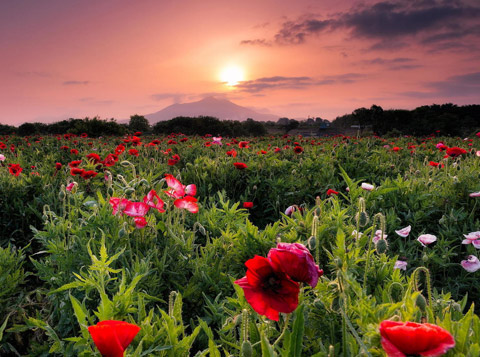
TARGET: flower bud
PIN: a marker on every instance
(312, 243)
(246, 350)
(421, 302)
(129, 191)
(381, 246)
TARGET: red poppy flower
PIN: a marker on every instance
(410, 338)
(88, 174)
(188, 202)
(14, 169)
(136, 209)
(243, 145)
(247, 205)
(295, 260)
(3, 146)
(177, 190)
(75, 163)
(118, 204)
(76, 171)
(110, 160)
(396, 149)
(455, 151)
(268, 291)
(331, 192)
(58, 166)
(133, 152)
(435, 164)
(240, 165)
(74, 152)
(140, 222)
(232, 153)
(298, 149)
(182, 140)
(94, 157)
(113, 337)
(154, 201)
(119, 149)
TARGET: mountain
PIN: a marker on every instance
(220, 108)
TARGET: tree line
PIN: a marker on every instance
(446, 119)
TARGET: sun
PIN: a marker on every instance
(232, 75)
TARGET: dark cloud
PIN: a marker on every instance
(398, 63)
(257, 42)
(465, 85)
(282, 82)
(40, 74)
(387, 23)
(75, 83)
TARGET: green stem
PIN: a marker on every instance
(283, 330)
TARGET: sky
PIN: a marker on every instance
(323, 58)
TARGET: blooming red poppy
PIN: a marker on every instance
(75, 163)
(243, 145)
(298, 149)
(118, 204)
(154, 201)
(331, 192)
(119, 149)
(295, 260)
(74, 152)
(396, 149)
(58, 166)
(113, 337)
(94, 157)
(268, 291)
(247, 205)
(140, 222)
(15, 169)
(88, 174)
(76, 171)
(136, 209)
(188, 202)
(232, 153)
(110, 160)
(177, 190)
(410, 338)
(133, 152)
(240, 165)
(455, 151)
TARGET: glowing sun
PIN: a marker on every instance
(231, 76)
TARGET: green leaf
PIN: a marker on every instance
(296, 338)
(2, 328)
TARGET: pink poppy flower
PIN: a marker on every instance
(136, 209)
(154, 201)
(189, 203)
(426, 239)
(70, 186)
(217, 140)
(2, 157)
(191, 190)
(356, 234)
(140, 222)
(177, 189)
(290, 209)
(367, 186)
(472, 238)
(404, 232)
(400, 264)
(295, 260)
(475, 194)
(118, 204)
(472, 264)
(378, 236)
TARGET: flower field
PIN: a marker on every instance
(267, 246)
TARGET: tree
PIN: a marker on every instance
(139, 123)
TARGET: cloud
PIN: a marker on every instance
(75, 83)
(95, 101)
(40, 74)
(386, 23)
(398, 63)
(282, 82)
(176, 97)
(466, 85)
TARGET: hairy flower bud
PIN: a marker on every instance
(421, 302)
(381, 246)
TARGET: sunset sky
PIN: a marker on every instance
(115, 58)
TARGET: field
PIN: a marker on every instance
(157, 231)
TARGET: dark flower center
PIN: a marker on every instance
(272, 283)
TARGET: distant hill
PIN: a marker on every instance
(220, 108)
